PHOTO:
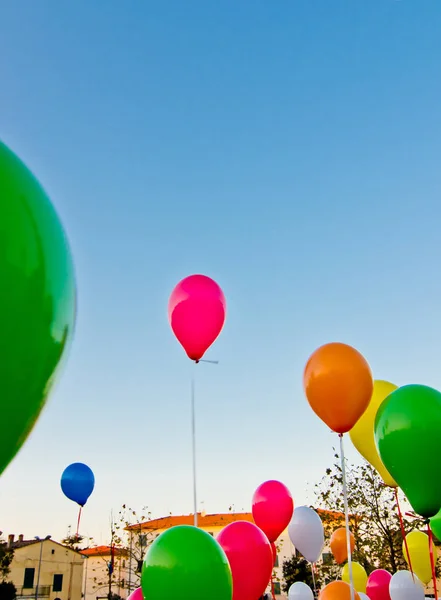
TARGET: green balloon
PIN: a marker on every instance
(186, 563)
(37, 301)
(435, 524)
(407, 432)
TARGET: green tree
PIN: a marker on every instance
(374, 519)
(296, 569)
(6, 556)
(7, 590)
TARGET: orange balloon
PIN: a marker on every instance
(339, 546)
(337, 590)
(338, 384)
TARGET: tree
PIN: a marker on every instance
(373, 517)
(135, 540)
(295, 569)
(6, 556)
(7, 590)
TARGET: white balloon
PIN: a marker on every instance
(300, 591)
(403, 586)
(363, 596)
(306, 533)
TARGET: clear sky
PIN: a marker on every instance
(290, 149)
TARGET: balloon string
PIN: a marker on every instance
(79, 519)
(403, 532)
(313, 579)
(193, 436)
(348, 533)
(432, 559)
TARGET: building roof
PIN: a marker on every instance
(214, 520)
(103, 551)
(22, 543)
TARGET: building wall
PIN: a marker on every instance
(96, 578)
(56, 560)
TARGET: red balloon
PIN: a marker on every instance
(250, 556)
(196, 311)
(377, 587)
(273, 507)
(274, 549)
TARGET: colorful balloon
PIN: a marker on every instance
(338, 385)
(435, 524)
(407, 429)
(405, 586)
(136, 595)
(418, 544)
(197, 310)
(250, 556)
(362, 434)
(306, 533)
(187, 563)
(300, 591)
(339, 547)
(37, 301)
(359, 576)
(272, 508)
(337, 590)
(77, 482)
(363, 596)
(378, 585)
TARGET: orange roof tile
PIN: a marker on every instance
(103, 551)
(215, 520)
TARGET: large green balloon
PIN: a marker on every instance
(407, 433)
(435, 524)
(37, 301)
(186, 563)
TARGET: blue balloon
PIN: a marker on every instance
(77, 482)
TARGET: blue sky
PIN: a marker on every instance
(290, 150)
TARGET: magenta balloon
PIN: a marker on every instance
(136, 595)
(196, 311)
(250, 556)
(273, 507)
(378, 585)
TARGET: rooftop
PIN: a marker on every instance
(103, 551)
(206, 521)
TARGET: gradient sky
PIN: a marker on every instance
(290, 149)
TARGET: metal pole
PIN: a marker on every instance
(193, 432)
(39, 570)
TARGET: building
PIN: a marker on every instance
(213, 524)
(43, 568)
(106, 570)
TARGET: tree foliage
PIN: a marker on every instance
(296, 569)
(7, 590)
(374, 519)
(6, 556)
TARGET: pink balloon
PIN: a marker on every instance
(136, 595)
(196, 311)
(378, 585)
(273, 507)
(250, 556)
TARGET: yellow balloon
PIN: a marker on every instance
(359, 575)
(362, 434)
(418, 543)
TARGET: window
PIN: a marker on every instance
(28, 581)
(327, 558)
(58, 583)
(139, 568)
(53, 551)
(276, 588)
(123, 583)
(276, 563)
